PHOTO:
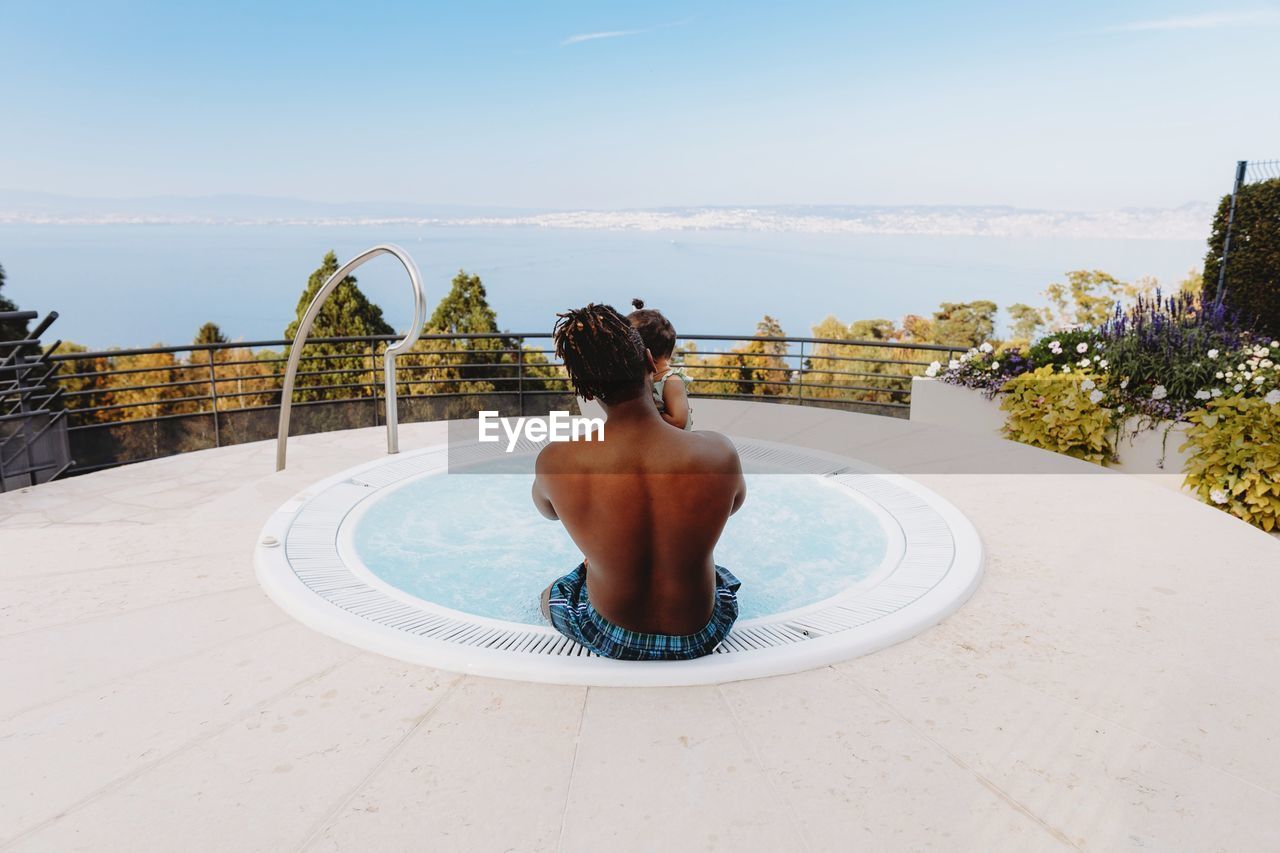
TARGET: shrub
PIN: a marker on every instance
(1235, 459)
(1062, 412)
(1252, 280)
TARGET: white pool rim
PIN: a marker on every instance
(307, 564)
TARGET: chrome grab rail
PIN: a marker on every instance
(389, 358)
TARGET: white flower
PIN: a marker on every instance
(1265, 363)
(1218, 374)
(986, 347)
(1159, 392)
(1273, 397)
(1103, 364)
(1218, 496)
(1084, 362)
(1275, 343)
(1240, 367)
(1095, 396)
(1120, 408)
(954, 364)
(1258, 380)
(1213, 353)
(1082, 347)
(1066, 368)
(1238, 388)
(1124, 383)
(1088, 385)
(995, 365)
(1056, 346)
(1216, 392)
(1203, 395)
(932, 369)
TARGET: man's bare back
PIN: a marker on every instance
(646, 505)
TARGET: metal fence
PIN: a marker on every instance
(33, 430)
(130, 405)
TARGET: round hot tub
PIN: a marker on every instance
(437, 557)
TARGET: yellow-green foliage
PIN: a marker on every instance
(1234, 462)
(1061, 412)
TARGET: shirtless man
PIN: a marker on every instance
(646, 506)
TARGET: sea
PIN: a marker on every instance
(133, 285)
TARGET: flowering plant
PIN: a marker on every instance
(982, 368)
(1067, 349)
(1164, 350)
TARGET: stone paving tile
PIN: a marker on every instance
(666, 769)
(855, 776)
(1103, 786)
(73, 748)
(489, 770)
(264, 782)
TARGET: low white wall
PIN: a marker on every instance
(1141, 452)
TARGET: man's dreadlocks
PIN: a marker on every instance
(603, 354)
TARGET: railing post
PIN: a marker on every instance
(1242, 167)
(520, 374)
(373, 372)
(800, 384)
(213, 396)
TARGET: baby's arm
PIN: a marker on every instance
(676, 402)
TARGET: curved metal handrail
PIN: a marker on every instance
(389, 357)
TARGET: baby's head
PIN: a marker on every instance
(655, 330)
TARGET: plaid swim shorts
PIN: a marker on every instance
(572, 615)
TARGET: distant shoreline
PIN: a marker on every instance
(1190, 222)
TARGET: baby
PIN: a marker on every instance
(669, 383)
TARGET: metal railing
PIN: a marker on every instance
(130, 405)
(33, 438)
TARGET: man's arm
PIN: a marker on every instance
(540, 499)
(740, 495)
(731, 466)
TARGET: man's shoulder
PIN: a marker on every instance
(715, 448)
(553, 458)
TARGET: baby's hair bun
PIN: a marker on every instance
(638, 303)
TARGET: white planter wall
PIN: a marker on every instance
(953, 407)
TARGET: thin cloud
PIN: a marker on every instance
(613, 34)
(1207, 21)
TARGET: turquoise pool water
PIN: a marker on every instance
(474, 543)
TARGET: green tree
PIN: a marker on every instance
(857, 372)
(1088, 298)
(209, 333)
(464, 309)
(447, 365)
(346, 313)
(916, 328)
(1193, 283)
(83, 381)
(10, 330)
(755, 368)
(966, 324)
(1252, 280)
(1027, 321)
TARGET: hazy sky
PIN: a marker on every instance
(605, 105)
